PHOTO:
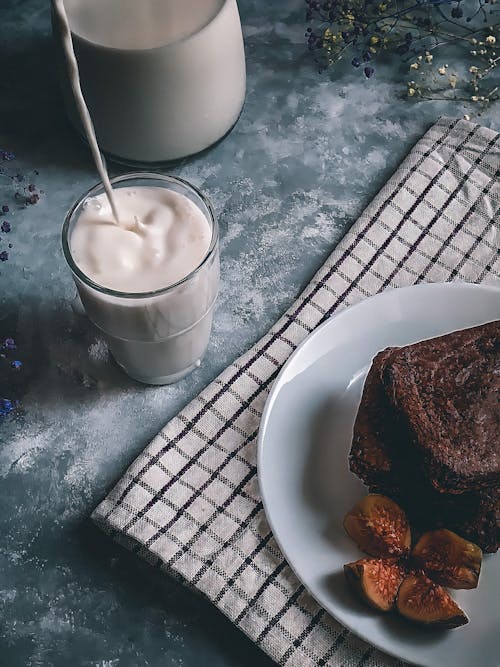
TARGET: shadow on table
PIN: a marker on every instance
(62, 354)
(139, 587)
(394, 625)
(32, 113)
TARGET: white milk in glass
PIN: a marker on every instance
(162, 78)
(149, 283)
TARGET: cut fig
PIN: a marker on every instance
(376, 580)
(423, 601)
(448, 559)
(379, 527)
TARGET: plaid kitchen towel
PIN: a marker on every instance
(190, 502)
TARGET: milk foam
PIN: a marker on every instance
(162, 237)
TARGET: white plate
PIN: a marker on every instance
(307, 488)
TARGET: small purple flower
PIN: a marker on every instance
(31, 187)
(369, 72)
(7, 155)
(4, 256)
(355, 62)
(5, 208)
(10, 245)
(367, 57)
(9, 344)
(16, 365)
(6, 405)
(6, 227)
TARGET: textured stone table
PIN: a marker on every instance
(308, 153)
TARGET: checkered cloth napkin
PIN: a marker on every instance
(190, 502)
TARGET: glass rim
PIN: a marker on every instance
(167, 178)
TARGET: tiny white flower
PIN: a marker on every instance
(466, 117)
(442, 70)
(414, 66)
(491, 39)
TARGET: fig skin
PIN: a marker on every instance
(448, 559)
(376, 580)
(379, 527)
(423, 601)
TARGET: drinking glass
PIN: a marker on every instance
(160, 336)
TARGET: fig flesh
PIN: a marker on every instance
(423, 601)
(376, 580)
(379, 527)
(448, 559)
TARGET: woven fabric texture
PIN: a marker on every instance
(190, 502)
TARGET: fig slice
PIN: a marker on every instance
(423, 601)
(379, 527)
(376, 580)
(448, 559)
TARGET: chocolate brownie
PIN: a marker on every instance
(369, 457)
(445, 397)
(473, 515)
(387, 460)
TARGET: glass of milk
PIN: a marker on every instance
(150, 284)
(163, 79)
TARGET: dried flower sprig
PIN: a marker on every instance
(24, 189)
(416, 32)
(18, 194)
(7, 348)
(22, 192)
(473, 84)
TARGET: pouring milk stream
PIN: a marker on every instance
(137, 240)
